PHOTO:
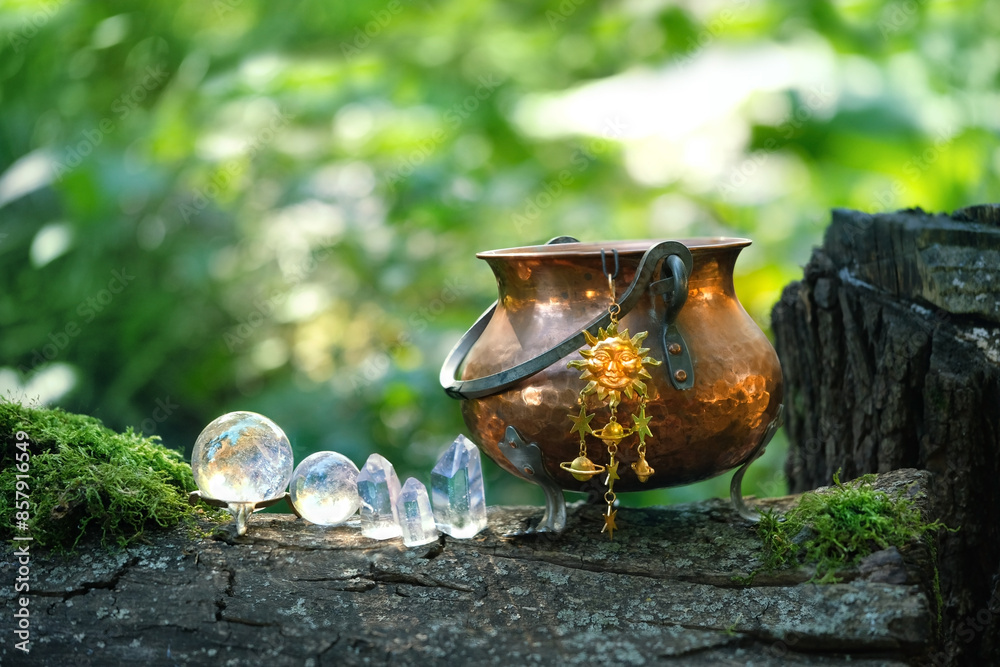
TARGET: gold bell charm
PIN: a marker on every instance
(642, 469)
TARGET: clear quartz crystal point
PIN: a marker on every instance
(324, 488)
(379, 489)
(457, 490)
(242, 457)
(416, 520)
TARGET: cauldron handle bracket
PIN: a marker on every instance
(736, 485)
(680, 368)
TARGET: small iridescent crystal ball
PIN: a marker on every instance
(324, 488)
(242, 457)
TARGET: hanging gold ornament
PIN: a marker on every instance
(582, 468)
(642, 469)
(613, 366)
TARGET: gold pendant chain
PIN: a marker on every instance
(614, 366)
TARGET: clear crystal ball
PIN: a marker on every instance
(324, 488)
(242, 457)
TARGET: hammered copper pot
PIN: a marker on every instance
(548, 293)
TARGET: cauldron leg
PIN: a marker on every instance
(736, 486)
(527, 460)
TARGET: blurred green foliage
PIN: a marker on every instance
(209, 206)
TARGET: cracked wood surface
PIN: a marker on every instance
(292, 593)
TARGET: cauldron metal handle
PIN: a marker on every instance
(677, 260)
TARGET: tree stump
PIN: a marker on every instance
(890, 350)
(670, 589)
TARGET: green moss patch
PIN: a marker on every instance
(836, 529)
(84, 479)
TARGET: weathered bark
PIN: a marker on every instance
(890, 349)
(292, 593)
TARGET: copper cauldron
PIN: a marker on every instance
(714, 401)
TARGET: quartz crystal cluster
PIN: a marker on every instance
(457, 490)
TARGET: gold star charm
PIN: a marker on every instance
(609, 523)
(612, 472)
(581, 423)
(642, 424)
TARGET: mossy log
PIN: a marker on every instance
(890, 349)
(670, 589)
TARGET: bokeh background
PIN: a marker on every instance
(215, 205)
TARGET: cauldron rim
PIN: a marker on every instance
(636, 247)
